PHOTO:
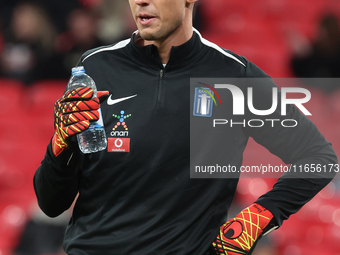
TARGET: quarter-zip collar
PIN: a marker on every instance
(179, 55)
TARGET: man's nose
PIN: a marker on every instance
(142, 2)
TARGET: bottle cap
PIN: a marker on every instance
(79, 70)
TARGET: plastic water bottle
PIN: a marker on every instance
(94, 138)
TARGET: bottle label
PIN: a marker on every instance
(100, 120)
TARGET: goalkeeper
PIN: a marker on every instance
(137, 197)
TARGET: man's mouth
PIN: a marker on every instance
(145, 19)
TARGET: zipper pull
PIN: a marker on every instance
(161, 73)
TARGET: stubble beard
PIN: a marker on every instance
(160, 34)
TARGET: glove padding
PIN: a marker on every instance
(240, 235)
(72, 115)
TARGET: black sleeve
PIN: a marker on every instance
(56, 181)
(299, 145)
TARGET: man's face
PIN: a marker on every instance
(157, 19)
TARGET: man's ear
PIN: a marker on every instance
(190, 2)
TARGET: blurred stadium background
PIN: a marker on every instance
(35, 65)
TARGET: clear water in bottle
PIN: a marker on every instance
(94, 138)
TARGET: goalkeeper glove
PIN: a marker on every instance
(72, 115)
(240, 235)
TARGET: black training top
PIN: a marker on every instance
(137, 197)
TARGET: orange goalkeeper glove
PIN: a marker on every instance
(240, 235)
(72, 115)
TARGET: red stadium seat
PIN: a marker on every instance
(43, 95)
(12, 98)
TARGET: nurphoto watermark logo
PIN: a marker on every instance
(204, 100)
(226, 112)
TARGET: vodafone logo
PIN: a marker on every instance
(118, 144)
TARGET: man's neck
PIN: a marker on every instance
(178, 37)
